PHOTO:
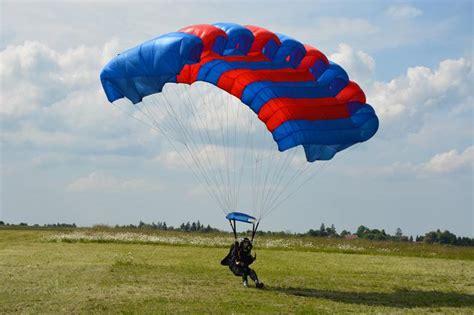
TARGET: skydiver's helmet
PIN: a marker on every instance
(246, 245)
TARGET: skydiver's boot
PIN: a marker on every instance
(245, 282)
(253, 276)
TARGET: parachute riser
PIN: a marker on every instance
(233, 226)
(254, 229)
(234, 229)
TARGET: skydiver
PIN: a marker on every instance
(239, 259)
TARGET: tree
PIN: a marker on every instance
(399, 233)
(344, 233)
(331, 231)
(362, 230)
(2, 223)
(431, 237)
(322, 230)
(447, 237)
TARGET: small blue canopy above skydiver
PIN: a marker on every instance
(233, 217)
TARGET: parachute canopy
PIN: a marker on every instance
(302, 98)
(242, 217)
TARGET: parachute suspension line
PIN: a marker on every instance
(322, 168)
(203, 124)
(206, 158)
(223, 104)
(287, 184)
(277, 178)
(207, 128)
(153, 122)
(201, 154)
(234, 155)
(226, 183)
(225, 142)
(262, 166)
(285, 197)
(134, 117)
(246, 146)
(234, 229)
(266, 183)
(201, 176)
(203, 160)
(255, 176)
(254, 229)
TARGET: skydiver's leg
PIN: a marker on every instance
(245, 274)
(254, 277)
(236, 270)
(240, 271)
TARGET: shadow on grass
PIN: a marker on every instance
(399, 298)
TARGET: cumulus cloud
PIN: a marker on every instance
(359, 65)
(422, 88)
(403, 11)
(171, 159)
(208, 158)
(335, 26)
(34, 75)
(101, 182)
(408, 97)
(52, 100)
(452, 161)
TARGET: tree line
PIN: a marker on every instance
(363, 232)
(184, 227)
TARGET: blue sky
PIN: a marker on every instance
(69, 156)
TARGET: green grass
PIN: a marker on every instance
(39, 274)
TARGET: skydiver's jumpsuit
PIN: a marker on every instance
(239, 262)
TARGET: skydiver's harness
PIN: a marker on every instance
(238, 261)
(233, 217)
(233, 225)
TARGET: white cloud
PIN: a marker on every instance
(403, 11)
(35, 76)
(171, 159)
(334, 26)
(451, 161)
(445, 163)
(207, 158)
(53, 100)
(100, 182)
(422, 89)
(359, 65)
(402, 102)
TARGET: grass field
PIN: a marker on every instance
(97, 271)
